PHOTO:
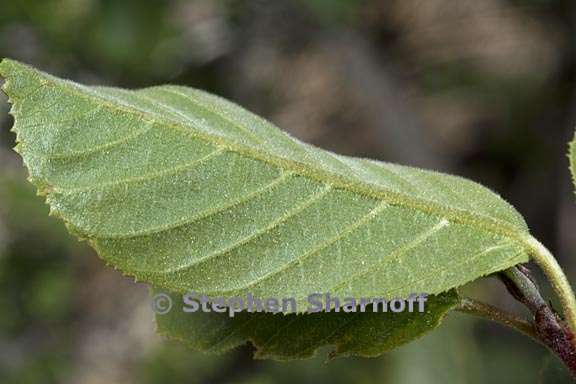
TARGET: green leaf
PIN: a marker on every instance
(190, 192)
(288, 337)
(572, 157)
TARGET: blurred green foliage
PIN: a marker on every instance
(336, 11)
(36, 279)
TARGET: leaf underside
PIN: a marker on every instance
(189, 192)
(289, 337)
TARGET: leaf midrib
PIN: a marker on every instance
(370, 190)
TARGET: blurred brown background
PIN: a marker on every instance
(480, 88)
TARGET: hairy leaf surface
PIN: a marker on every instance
(188, 191)
(288, 337)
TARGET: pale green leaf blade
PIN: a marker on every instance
(289, 337)
(572, 158)
(187, 191)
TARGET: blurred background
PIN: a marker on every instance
(485, 89)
